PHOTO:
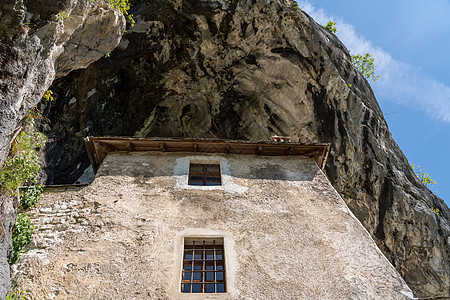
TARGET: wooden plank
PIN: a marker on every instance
(99, 147)
(130, 146)
(91, 154)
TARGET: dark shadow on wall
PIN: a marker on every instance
(124, 165)
(277, 172)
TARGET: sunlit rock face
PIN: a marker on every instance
(40, 41)
(43, 40)
(248, 70)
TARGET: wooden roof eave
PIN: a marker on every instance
(99, 147)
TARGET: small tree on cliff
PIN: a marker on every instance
(365, 65)
(426, 180)
(123, 6)
(331, 27)
(422, 175)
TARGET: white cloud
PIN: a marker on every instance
(399, 82)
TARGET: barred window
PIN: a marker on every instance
(204, 174)
(203, 266)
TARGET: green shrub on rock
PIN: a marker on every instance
(22, 168)
(17, 295)
(23, 165)
(123, 6)
(21, 236)
(30, 195)
(331, 27)
(365, 65)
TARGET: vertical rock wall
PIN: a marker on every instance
(44, 40)
(40, 41)
(8, 205)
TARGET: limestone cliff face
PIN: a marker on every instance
(246, 69)
(40, 41)
(43, 40)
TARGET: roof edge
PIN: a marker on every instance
(99, 147)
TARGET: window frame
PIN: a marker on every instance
(201, 258)
(231, 264)
(205, 174)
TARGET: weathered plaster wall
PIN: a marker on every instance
(291, 234)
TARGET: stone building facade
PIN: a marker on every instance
(273, 228)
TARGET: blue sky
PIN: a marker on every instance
(410, 41)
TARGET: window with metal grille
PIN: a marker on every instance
(204, 174)
(203, 266)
